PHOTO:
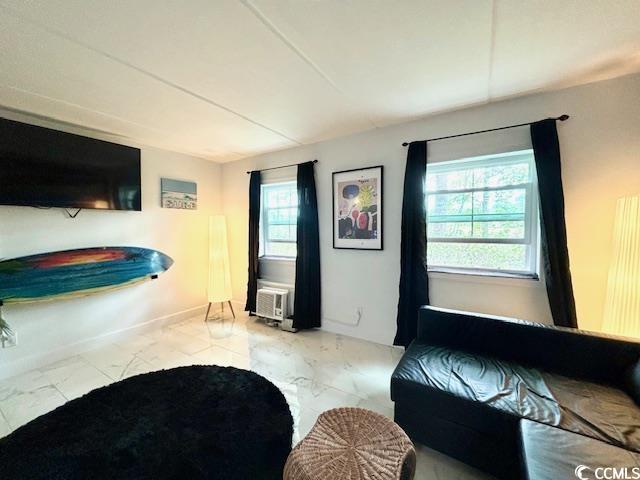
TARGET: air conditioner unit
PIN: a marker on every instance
(272, 303)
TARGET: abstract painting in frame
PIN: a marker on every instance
(357, 209)
(179, 194)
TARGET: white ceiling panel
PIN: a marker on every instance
(551, 43)
(50, 66)
(224, 79)
(217, 50)
(401, 59)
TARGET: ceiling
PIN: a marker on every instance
(225, 79)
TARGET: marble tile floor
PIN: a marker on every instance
(315, 370)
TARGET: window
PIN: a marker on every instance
(482, 215)
(278, 219)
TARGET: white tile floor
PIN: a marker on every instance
(315, 370)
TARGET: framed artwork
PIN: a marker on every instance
(179, 194)
(357, 209)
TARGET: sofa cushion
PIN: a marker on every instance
(550, 453)
(598, 411)
(589, 356)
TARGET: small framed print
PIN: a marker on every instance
(357, 209)
(178, 194)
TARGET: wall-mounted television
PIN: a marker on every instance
(40, 167)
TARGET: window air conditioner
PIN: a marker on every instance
(272, 303)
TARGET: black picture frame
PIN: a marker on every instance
(346, 243)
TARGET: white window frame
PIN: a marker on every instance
(264, 215)
(532, 223)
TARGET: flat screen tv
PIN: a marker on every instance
(40, 167)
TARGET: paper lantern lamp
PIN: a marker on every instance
(622, 307)
(219, 290)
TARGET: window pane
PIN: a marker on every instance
(449, 206)
(501, 175)
(499, 204)
(448, 180)
(491, 256)
(272, 198)
(278, 220)
(508, 229)
(281, 232)
(284, 198)
(280, 196)
(449, 230)
(282, 216)
(473, 204)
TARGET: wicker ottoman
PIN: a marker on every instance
(352, 444)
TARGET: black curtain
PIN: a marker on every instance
(307, 299)
(414, 284)
(544, 137)
(254, 241)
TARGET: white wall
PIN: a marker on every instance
(600, 147)
(53, 329)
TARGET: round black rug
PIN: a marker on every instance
(198, 422)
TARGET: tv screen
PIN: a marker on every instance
(41, 167)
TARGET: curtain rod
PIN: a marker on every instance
(562, 118)
(282, 166)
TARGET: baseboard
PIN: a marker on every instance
(22, 365)
(335, 326)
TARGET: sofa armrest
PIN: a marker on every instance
(571, 352)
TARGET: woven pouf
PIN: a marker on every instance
(352, 444)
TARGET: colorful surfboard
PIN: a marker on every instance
(76, 273)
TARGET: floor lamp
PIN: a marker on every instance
(219, 290)
(622, 307)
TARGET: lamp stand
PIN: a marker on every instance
(206, 317)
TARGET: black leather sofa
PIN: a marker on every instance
(518, 399)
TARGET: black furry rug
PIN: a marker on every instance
(199, 422)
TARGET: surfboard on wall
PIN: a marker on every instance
(77, 273)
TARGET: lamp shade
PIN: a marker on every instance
(219, 274)
(622, 308)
